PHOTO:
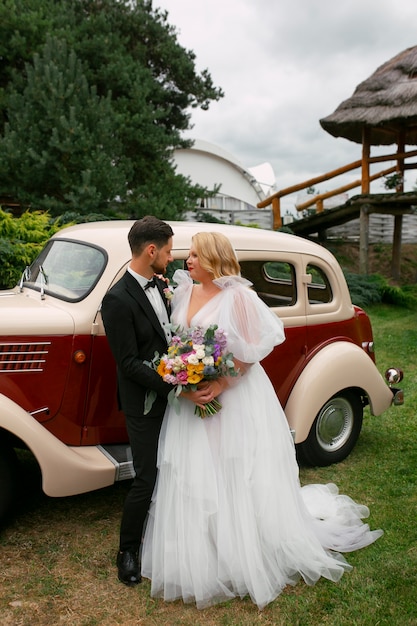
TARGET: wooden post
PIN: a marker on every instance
(396, 248)
(366, 151)
(398, 219)
(322, 236)
(276, 212)
(400, 161)
(364, 239)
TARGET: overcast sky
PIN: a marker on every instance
(283, 65)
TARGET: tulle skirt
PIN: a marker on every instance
(228, 516)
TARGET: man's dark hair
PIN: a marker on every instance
(148, 230)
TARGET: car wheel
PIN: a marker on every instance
(8, 479)
(335, 430)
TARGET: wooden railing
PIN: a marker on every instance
(363, 182)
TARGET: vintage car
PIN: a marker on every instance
(58, 382)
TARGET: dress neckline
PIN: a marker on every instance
(190, 319)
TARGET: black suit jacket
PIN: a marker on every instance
(135, 334)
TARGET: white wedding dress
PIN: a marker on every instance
(228, 516)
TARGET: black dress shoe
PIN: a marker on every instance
(128, 568)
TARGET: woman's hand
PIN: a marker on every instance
(218, 386)
(207, 391)
(201, 396)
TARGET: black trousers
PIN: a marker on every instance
(143, 435)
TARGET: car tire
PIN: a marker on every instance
(8, 480)
(335, 430)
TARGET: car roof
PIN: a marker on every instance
(105, 234)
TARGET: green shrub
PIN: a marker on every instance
(21, 240)
(366, 290)
(204, 216)
(286, 229)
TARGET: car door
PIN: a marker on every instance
(278, 279)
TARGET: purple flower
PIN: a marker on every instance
(197, 335)
(220, 337)
(217, 351)
(169, 378)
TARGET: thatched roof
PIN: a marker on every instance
(386, 103)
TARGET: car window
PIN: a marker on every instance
(66, 269)
(274, 281)
(319, 290)
(178, 264)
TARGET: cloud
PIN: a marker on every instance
(283, 66)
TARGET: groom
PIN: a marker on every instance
(136, 319)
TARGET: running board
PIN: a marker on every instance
(121, 457)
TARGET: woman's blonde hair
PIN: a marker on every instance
(215, 254)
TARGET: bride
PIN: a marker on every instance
(228, 516)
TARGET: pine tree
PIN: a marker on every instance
(93, 115)
(59, 138)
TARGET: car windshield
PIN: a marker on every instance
(66, 269)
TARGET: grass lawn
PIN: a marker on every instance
(57, 555)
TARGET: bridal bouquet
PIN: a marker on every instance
(194, 355)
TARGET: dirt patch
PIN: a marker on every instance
(380, 256)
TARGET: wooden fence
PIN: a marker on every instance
(381, 229)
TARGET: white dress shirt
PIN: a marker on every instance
(154, 296)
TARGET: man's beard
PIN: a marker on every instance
(157, 268)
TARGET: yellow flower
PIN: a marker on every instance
(193, 379)
(195, 367)
(195, 373)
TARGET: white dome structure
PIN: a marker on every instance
(239, 191)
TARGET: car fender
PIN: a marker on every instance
(335, 367)
(66, 470)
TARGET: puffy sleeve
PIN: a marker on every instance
(182, 280)
(182, 292)
(252, 328)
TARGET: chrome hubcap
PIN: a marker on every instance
(335, 424)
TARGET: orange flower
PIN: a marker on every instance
(162, 369)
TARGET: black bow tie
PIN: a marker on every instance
(151, 283)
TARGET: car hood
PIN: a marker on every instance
(23, 314)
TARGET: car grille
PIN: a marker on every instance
(23, 357)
